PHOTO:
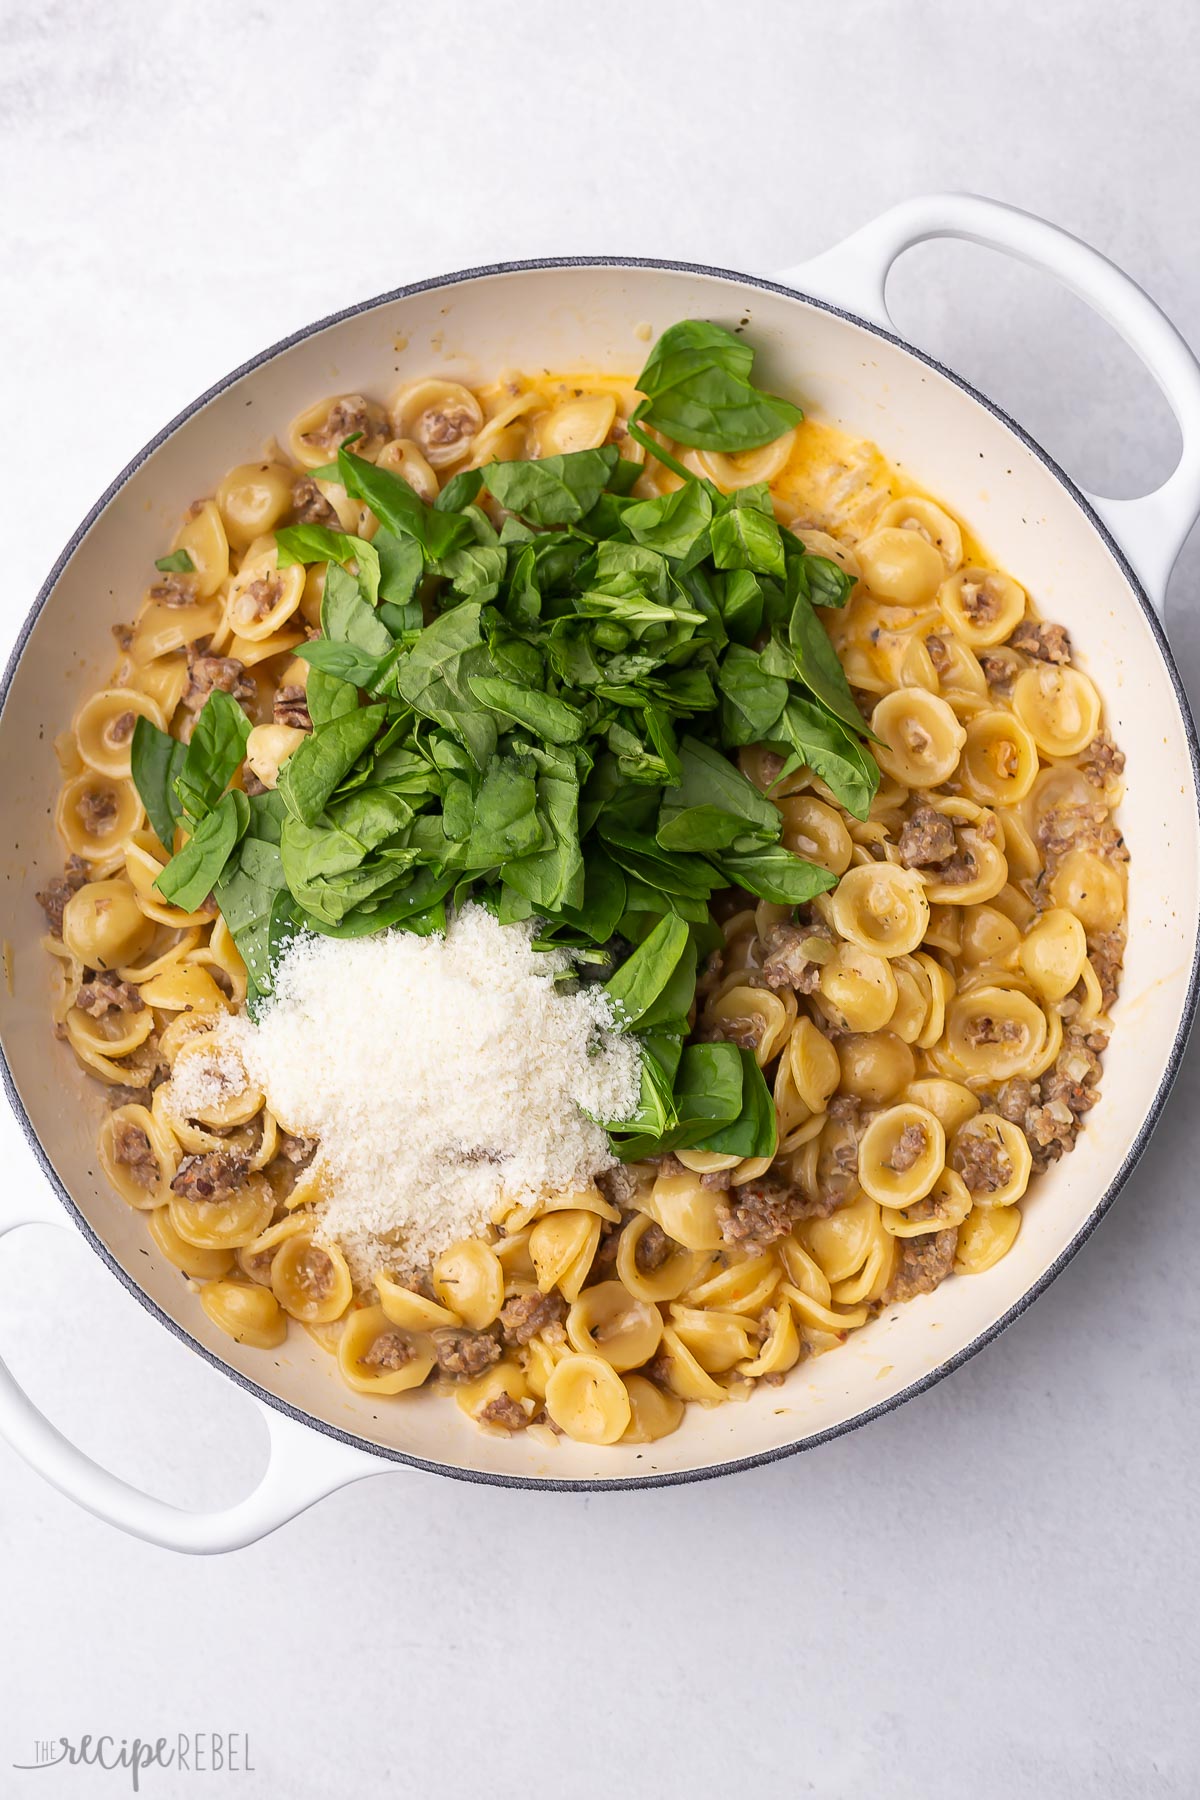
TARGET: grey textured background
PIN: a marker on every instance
(991, 1592)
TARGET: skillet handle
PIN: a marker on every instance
(1149, 530)
(303, 1466)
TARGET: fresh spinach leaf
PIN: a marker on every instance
(774, 874)
(178, 563)
(698, 391)
(755, 1131)
(315, 767)
(155, 761)
(556, 490)
(190, 877)
(218, 744)
(645, 974)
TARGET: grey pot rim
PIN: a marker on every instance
(707, 1471)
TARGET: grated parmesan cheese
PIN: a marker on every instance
(439, 1074)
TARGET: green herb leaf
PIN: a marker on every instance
(644, 976)
(754, 1132)
(557, 490)
(774, 874)
(217, 746)
(156, 760)
(190, 877)
(178, 563)
(698, 389)
(315, 767)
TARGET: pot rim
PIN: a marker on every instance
(705, 1471)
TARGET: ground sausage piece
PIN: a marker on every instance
(1048, 1111)
(759, 1213)
(391, 1350)
(295, 1149)
(1102, 763)
(787, 963)
(464, 1354)
(505, 1412)
(999, 671)
(1106, 952)
(982, 1161)
(522, 1317)
(175, 589)
(927, 837)
(1080, 826)
(348, 417)
(133, 1149)
(251, 785)
(618, 1185)
(1049, 643)
(310, 505)
(211, 1177)
(980, 601)
(291, 707)
(910, 1148)
(54, 896)
(717, 1178)
(744, 1029)
(922, 1263)
(208, 672)
(986, 1030)
(97, 808)
(653, 1250)
(108, 993)
(939, 655)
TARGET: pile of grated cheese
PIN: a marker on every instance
(439, 1074)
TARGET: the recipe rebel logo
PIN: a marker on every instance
(186, 1752)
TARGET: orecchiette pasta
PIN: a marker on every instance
(929, 1030)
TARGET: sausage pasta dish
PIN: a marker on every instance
(680, 721)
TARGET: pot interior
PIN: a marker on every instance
(844, 373)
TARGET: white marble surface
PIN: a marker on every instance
(992, 1591)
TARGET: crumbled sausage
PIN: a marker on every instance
(980, 601)
(257, 599)
(54, 896)
(97, 808)
(788, 962)
(175, 589)
(982, 1161)
(212, 1177)
(351, 416)
(927, 837)
(251, 785)
(132, 1147)
(1049, 643)
(716, 1178)
(1102, 763)
(743, 1029)
(146, 1067)
(761, 1212)
(522, 1317)
(1049, 1111)
(909, 1149)
(939, 655)
(208, 672)
(291, 707)
(653, 1250)
(449, 425)
(391, 1350)
(123, 636)
(108, 993)
(462, 1353)
(999, 671)
(310, 505)
(504, 1412)
(618, 1184)
(1106, 952)
(984, 1029)
(922, 1264)
(1080, 825)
